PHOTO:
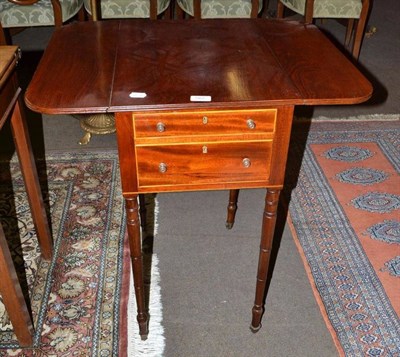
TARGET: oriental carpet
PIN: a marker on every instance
(79, 298)
(345, 168)
(344, 214)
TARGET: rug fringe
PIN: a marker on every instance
(155, 344)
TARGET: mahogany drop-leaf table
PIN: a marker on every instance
(199, 105)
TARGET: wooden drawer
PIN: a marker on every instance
(203, 163)
(219, 123)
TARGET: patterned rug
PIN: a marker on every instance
(78, 299)
(344, 214)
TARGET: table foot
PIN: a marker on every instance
(85, 139)
(257, 312)
(144, 328)
(255, 329)
(229, 225)
(232, 207)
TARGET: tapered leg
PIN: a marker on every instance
(349, 32)
(358, 36)
(135, 245)
(232, 207)
(267, 234)
(30, 175)
(280, 10)
(13, 298)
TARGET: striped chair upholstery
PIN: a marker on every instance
(211, 9)
(39, 13)
(111, 9)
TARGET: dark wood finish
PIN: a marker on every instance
(153, 9)
(11, 108)
(154, 126)
(232, 208)
(13, 297)
(31, 180)
(254, 8)
(3, 39)
(171, 60)
(188, 168)
(146, 72)
(135, 244)
(89, 73)
(204, 165)
(57, 9)
(196, 9)
(267, 235)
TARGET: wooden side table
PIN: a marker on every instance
(11, 108)
(199, 105)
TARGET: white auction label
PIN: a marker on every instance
(200, 98)
(137, 95)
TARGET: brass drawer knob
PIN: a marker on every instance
(251, 124)
(246, 162)
(160, 127)
(162, 167)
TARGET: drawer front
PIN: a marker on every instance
(207, 163)
(222, 122)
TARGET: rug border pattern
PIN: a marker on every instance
(115, 198)
(378, 307)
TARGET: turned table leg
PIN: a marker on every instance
(267, 235)
(232, 207)
(133, 226)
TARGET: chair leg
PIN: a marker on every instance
(309, 12)
(13, 298)
(358, 38)
(232, 207)
(81, 14)
(349, 32)
(280, 10)
(360, 29)
(31, 179)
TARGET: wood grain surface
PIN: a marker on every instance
(237, 62)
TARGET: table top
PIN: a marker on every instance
(130, 65)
